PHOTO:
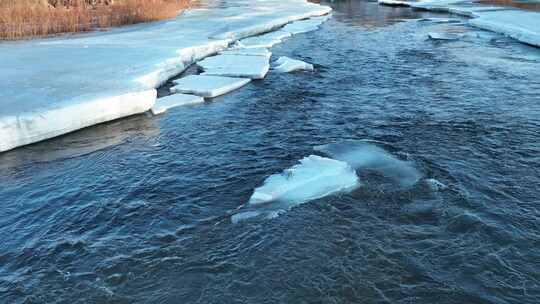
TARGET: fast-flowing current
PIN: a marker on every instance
(446, 209)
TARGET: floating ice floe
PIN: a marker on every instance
(394, 3)
(208, 86)
(314, 177)
(364, 155)
(444, 36)
(304, 26)
(248, 52)
(254, 67)
(163, 104)
(287, 65)
(264, 41)
(523, 26)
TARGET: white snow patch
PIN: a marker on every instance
(286, 65)
(207, 86)
(163, 104)
(254, 67)
(314, 177)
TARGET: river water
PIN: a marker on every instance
(138, 210)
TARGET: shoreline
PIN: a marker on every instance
(65, 94)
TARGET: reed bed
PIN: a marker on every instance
(23, 19)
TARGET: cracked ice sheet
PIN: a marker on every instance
(126, 61)
(314, 177)
(264, 41)
(287, 65)
(163, 104)
(208, 86)
(254, 67)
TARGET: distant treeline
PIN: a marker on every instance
(21, 19)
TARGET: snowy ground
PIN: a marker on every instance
(50, 87)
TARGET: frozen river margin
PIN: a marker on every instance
(51, 87)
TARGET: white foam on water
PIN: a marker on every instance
(314, 177)
(286, 65)
(363, 155)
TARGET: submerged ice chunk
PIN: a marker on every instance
(362, 155)
(176, 100)
(287, 65)
(444, 36)
(314, 177)
(254, 67)
(208, 86)
(248, 52)
(264, 41)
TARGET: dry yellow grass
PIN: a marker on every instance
(21, 19)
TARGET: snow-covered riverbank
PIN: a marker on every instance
(55, 86)
(521, 25)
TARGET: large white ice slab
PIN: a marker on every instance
(314, 177)
(33, 126)
(523, 26)
(254, 67)
(286, 65)
(264, 41)
(248, 52)
(40, 77)
(163, 104)
(208, 86)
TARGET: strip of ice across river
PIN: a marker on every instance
(50, 87)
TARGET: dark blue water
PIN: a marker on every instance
(137, 210)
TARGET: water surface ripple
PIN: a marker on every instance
(137, 210)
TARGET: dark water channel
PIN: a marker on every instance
(136, 211)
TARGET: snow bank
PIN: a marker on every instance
(523, 26)
(254, 67)
(50, 87)
(163, 104)
(286, 65)
(314, 177)
(208, 86)
(363, 155)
